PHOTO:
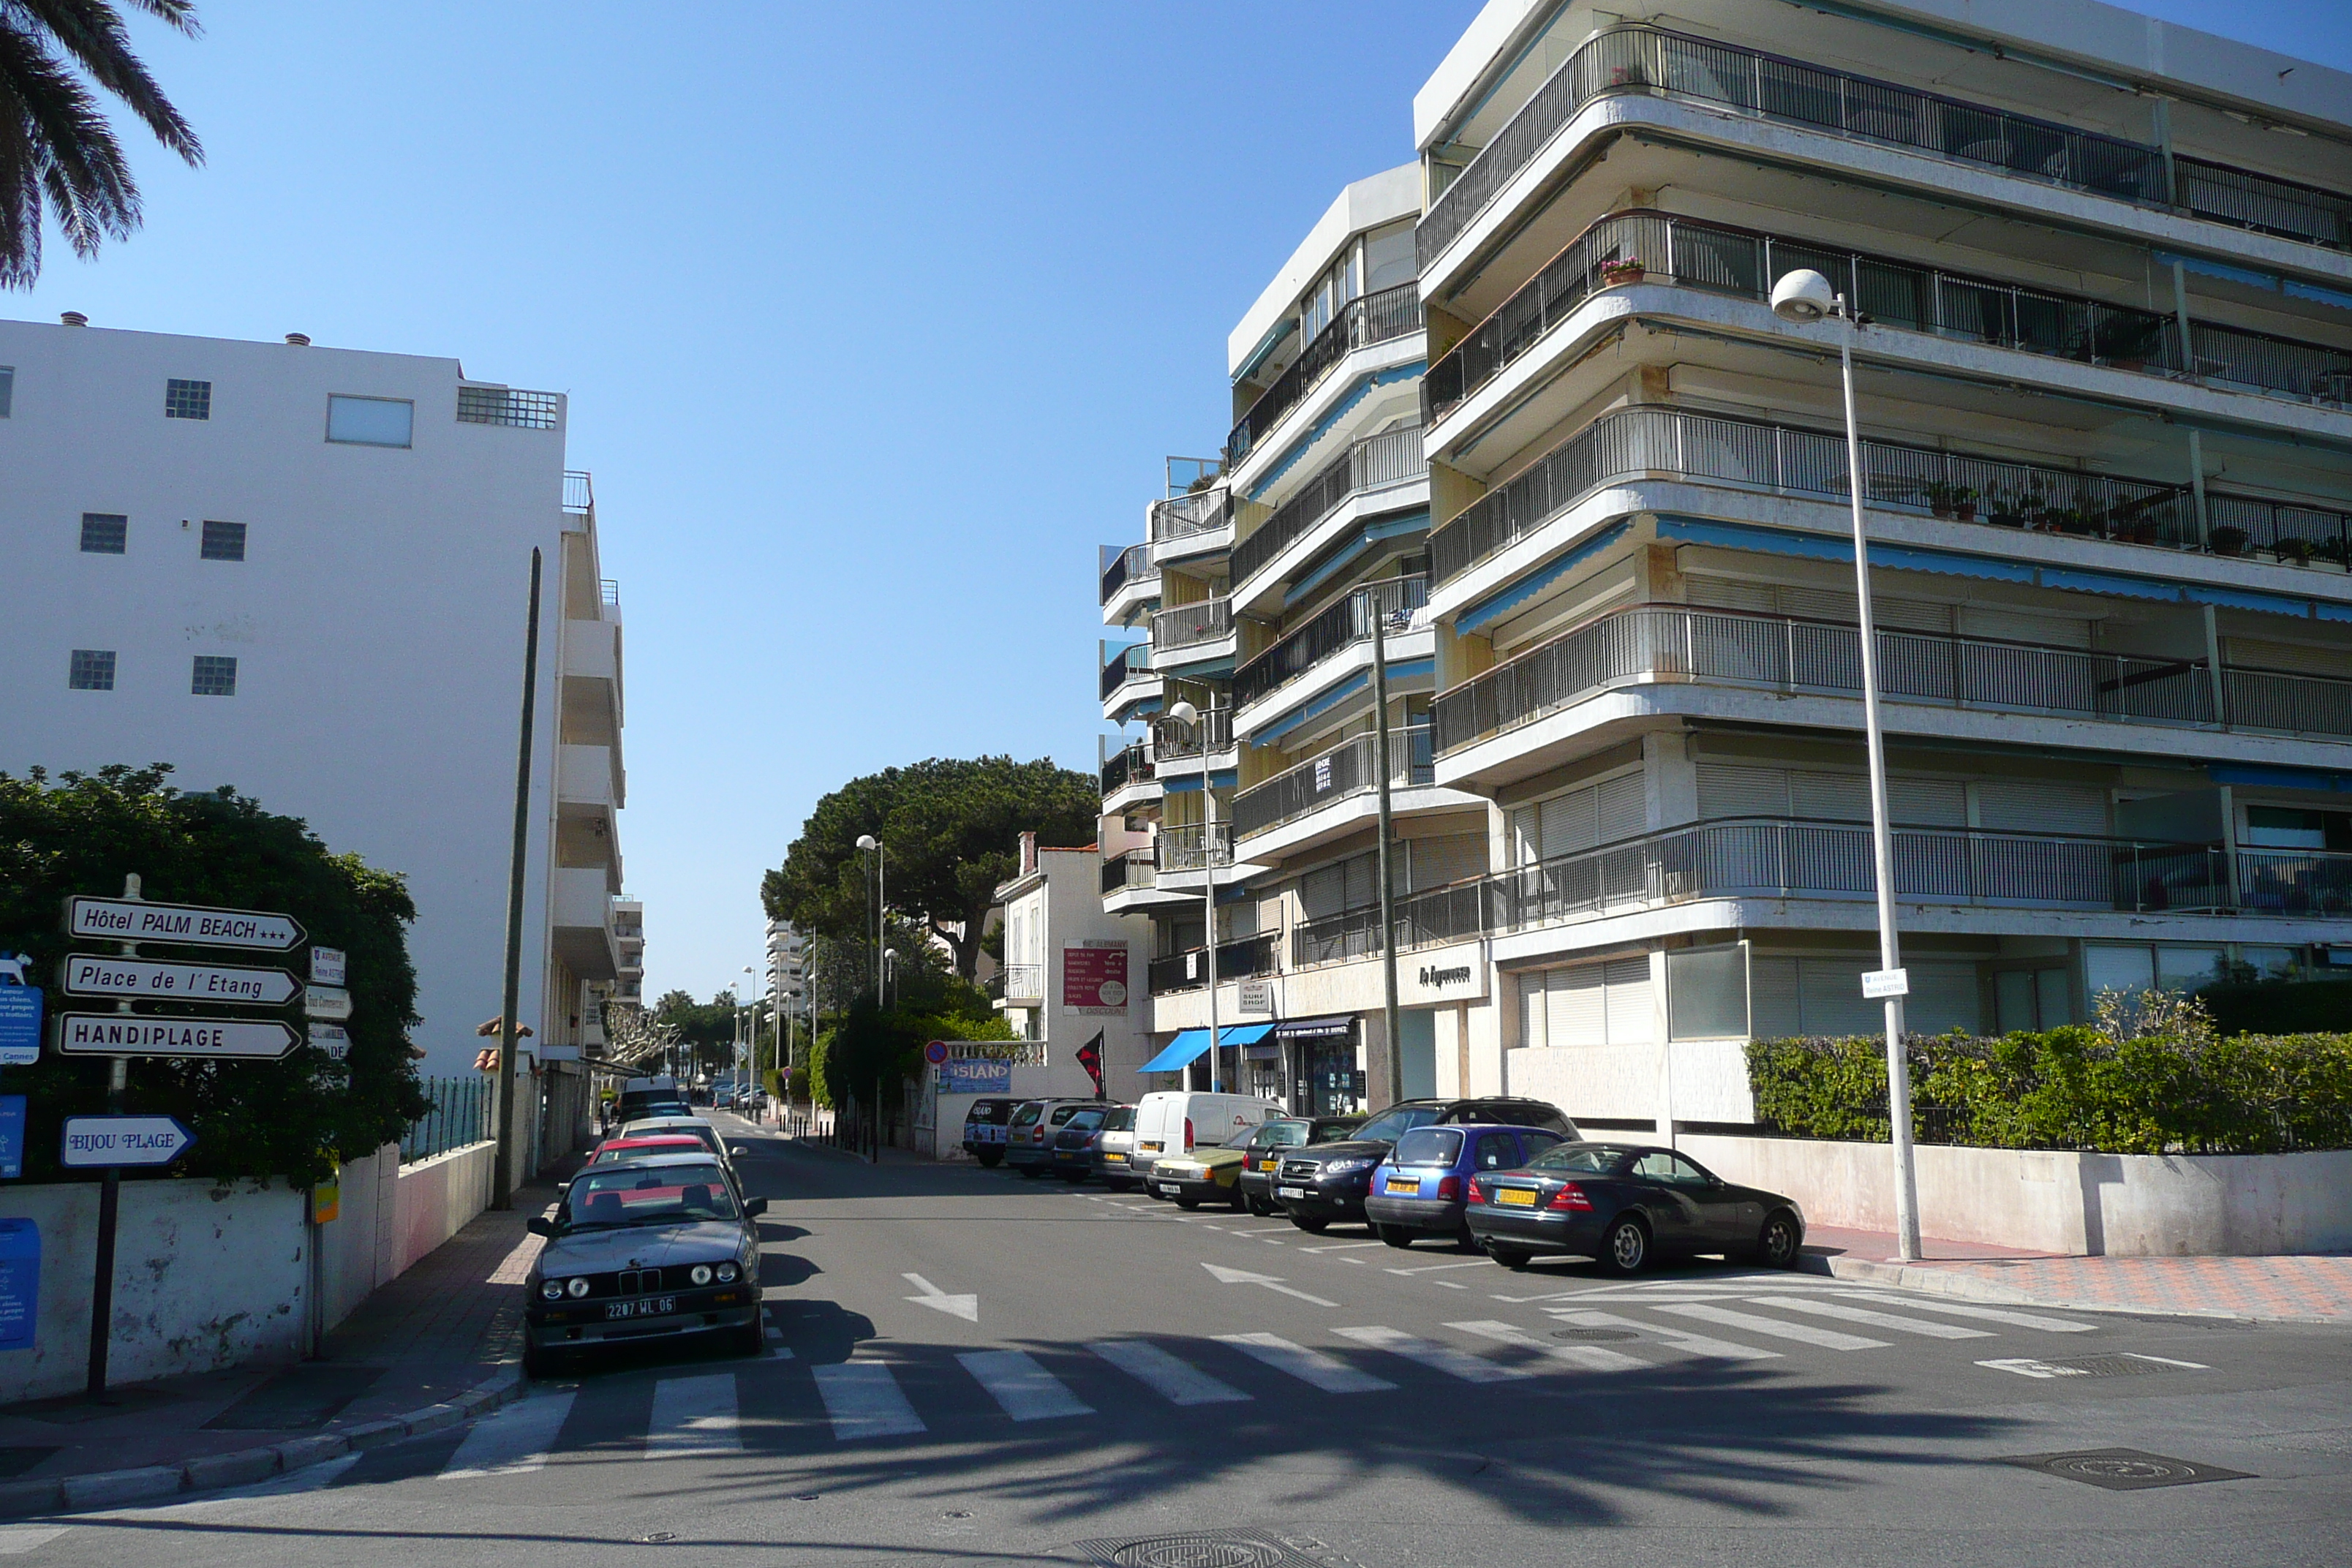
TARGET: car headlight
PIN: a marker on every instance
(551, 1290)
(578, 1288)
(727, 1272)
(700, 1273)
(1348, 1167)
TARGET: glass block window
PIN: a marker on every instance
(104, 532)
(187, 399)
(371, 421)
(7, 388)
(214, 676)
(505, 405)
(92, 669)
(224, 541)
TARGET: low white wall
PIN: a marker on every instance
(437, 1198)
(2134, 1206)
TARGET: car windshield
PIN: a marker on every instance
(989, 1111)
(1589, 1159)
(637, 1150)
(638, 1195)
(1063, 1114)
(1027, 1115)
(1120, 1120)
(1086, 1121)
(1391, 1125)
(1428, 1146)
(1279, 1135)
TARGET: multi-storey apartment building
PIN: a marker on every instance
(302, 572)
(2103, 390)
(629, 950)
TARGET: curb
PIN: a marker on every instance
(1968, 1288)
(244, 1467)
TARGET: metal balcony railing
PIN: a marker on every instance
(1133, 869)
(1350, 768)
(1239, 959)
(1024, 982)
(1171, 739)
(1120, 567)
(1187, 626)
(579, 490)
(1201, 511)
(1780, 653)
(1129, 664)
(1723, 259)
(1181, 847)
(1342, 625)
(1649, 60)
(1372, 318)
(1785, 459)
(2305, 882)
(608, 590)
(1131, 763)
(1375, 462)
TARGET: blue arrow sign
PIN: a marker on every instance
(117, 1141)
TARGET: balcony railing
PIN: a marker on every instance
(1171, 739)
(1780, 653)
(1134, 869)
(1376, 462)
(1788, 460)
(1129, 664)
(579, 490)
(608, 592)
(1181, 847)
(1131, 763)
(1723, 260)
(1024, 982)
(1201, 511)
(2294, 882)
(1132, 565)
(1235, 961)
(1374, 319)
(1343, 624)
(1187, 626)
(1647, 60)
(1347, 769)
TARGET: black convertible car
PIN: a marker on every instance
(1622, 1204)
(646, 1249)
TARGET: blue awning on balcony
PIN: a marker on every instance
(1188, 1044)
(1181, 783)
(1494, 607)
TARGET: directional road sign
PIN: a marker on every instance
(89, 974)
(117, 1141)
(327, 966)
(146, 1034)
(135, 919)
(331, 1039)
(326, 1002)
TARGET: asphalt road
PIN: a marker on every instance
(1094, 1372)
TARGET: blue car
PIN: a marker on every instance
(1422, 1186)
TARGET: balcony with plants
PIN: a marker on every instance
(1331, 645)
(1364, 322)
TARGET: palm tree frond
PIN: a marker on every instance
(92, 32)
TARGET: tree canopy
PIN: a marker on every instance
(950, 831)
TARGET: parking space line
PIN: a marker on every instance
(1679, 1338)
(1178, 1381)
(1026, 1391)
(1435, 1268)
(1804, 1333)
(1342, 1246)
(1591, 1358)
(1430, 1353)
(1893, 1320)
(1331, 1375)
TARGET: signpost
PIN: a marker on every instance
(142, 1034)
(89, 974)
(331, 1039)
(114, 1142)
(327, 966)
(326, 1002)
(935, 1052)
(133, 919)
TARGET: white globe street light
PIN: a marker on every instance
(1184, 713)
(1805, 298)
(868, 844)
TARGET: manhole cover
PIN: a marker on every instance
(2127, 1364)
(1207, 1548)
(2126, 1469)
(1595, 1334)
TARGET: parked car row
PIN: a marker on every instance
(1514, 1178)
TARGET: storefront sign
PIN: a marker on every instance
(1094, 978)
(978, 1076)
(1257, 996)
(1443, 974)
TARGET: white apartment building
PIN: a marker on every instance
(629, 952)
(2103, 394)
(303, 572)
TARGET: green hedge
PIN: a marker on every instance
(2071, 1088)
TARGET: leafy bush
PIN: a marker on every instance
(2151, 1079)
(292, 1117)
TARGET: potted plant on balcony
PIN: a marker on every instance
(2292, 548)
(2229, 541)
(1948, 500)
(2127, 342)
(1620, 270)
(2338, 551)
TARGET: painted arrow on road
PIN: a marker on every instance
(1243, 1277)
(965, 1307)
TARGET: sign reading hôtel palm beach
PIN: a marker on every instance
(134, 919)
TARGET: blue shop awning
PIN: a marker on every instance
(1189, 1043)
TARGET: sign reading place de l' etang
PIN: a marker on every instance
(135, 919)
(90, 975)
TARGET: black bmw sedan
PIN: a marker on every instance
(1623, 1205)
(650, 1249)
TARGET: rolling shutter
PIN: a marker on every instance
(1435, 862)
(1531, 1012)
(1829, 995)
(1830, 797)
(1773, 1013)
(1622, 808)
(1725, 790)
(2013, 625)
(1632, 1018)
(1927, 803)
(1944, 997)
(1570, 823)
(2022, 806)
(1576, 1006)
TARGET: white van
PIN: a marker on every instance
(1176, 1121)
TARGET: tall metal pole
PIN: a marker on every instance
(502, 1184)
(1882, 838)
(1209, 904)
(1388, 891)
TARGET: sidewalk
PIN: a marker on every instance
(2306, 1288)
(433, 1348)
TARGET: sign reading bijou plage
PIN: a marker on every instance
(141, 1034)
(193, 925)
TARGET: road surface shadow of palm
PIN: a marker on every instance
(820, 1332)
(773, 1230)
(1572, 1447)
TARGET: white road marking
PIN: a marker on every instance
(1243, 1277)
(1990, 1314)
(1680, 1338)
(1443, 1358)
(1179, 1383)
(16, 1540)
(510, 1441)
(1435, 1268)
(864, 1400)
(965, 1307)
(694, 1417)
(1341, 1245)
(1451, 1284)
(1893, 1320)
(1309, 1367)
(2026, 1366)
(1026, 1391)
(1804, 1333)
(1591, 1358)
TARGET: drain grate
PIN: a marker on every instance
(2125, 1469)
(2127, 1363)
(1604, 1334)
(1204, 1549)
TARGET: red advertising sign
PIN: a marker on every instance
(1094, 979)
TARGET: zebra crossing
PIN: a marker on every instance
(869, 1396)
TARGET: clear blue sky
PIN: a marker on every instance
(876, 320)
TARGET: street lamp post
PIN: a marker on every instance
(868, 842)
(1390, 1024)
(1185, 713)
(1804, 298)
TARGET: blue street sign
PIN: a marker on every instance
(20, 1026)
(20, 1283)
(12, 1136)
(117, 1140)
(976, 1077)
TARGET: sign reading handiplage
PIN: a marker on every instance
(1094, 978)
